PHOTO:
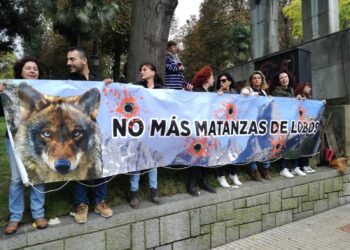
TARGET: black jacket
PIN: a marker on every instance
(93, 76)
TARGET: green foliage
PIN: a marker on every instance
(344, 13)
(81, 19)
(293, 12)
(6, 64)
(17, 19)
(220, 38)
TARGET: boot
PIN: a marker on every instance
(255, 175)
(191, 189)
(154, 196)
(134, 199)
(235, 180)
(266, 173)
(206, 186)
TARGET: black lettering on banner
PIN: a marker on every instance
(185, 128)
(253, 128)
(158, 127)
(119, 129)
(226, 130)
(234, 128)
(136, 127)
(201, 128)
(311, 127)
(305, 128)
(219, 123)
(274, 127)
(173, 129)
(212, 129)
(293, 128)
(262, 127)
(243, 130)
(284, 127)
(317, 124)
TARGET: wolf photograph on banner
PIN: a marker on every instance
(57, 138)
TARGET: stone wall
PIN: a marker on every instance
(185, 222)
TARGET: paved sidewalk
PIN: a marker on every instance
(327, 230)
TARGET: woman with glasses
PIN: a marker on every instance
(226, 84)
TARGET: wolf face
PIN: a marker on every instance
(58, 137)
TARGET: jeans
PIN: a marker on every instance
(253, 165)
(135, 179)
(16, 192)
(80, 191)
(283, 163)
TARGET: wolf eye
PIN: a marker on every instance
(45, 134)
(76, 133)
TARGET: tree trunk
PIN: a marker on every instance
(149, 35)
(116, 67)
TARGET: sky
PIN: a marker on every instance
(185, 9)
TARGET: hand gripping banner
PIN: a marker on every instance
(78, 130)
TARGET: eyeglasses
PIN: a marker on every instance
(223, 80)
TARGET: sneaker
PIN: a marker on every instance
(235, 180)
(297, 171)
(103, 209)
(82, 213)
(223, 182)
(285, 172)
(309, 170)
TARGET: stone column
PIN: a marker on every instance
(264, 27)
(319, 18)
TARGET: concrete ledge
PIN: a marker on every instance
(183, 221)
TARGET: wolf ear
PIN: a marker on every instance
(31, 100)
(89, 102)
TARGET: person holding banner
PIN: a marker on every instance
(151, 80)
(226, 84)
(304, 90)
(26, 68)
(201, 82)
(79, 70)
(283, 83)
(258, 87)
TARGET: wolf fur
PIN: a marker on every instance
(58, 138)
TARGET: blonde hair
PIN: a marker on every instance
(264, 85)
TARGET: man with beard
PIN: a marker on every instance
(79, 71)
(78, 66)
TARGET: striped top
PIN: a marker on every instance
(174, 78)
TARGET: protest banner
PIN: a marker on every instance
(67, 130)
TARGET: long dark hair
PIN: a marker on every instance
(151, 66)
(18, 66)
(276, 80)
(229, 77)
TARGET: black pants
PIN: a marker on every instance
(233, 170)
(303, 162)
(193, 172)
